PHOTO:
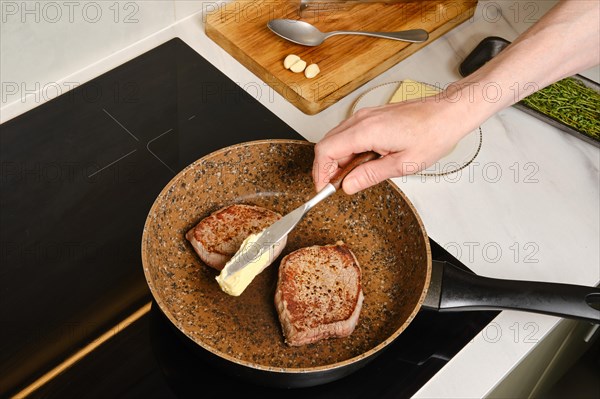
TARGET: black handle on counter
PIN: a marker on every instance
(454, 289)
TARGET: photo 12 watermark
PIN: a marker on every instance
(37, 92)
(54, 12)
(526, 333)
(68, 173)
(488, 172)
(526, 12)
(493, 252)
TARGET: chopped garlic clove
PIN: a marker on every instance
(298, 66)
(290, 60)
(311, 71)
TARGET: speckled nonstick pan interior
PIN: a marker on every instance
(380, 225)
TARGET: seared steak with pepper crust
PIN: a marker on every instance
(218, 237)
(319, 293)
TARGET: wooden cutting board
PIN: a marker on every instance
(346, 61)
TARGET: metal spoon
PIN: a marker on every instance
(306, 34)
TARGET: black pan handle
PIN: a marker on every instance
(453, 289)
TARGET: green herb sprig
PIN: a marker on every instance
(571, 102)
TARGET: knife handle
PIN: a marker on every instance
(359, 159)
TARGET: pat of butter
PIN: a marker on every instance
(234, 284)
(411, 90)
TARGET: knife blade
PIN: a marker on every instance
(275, 233)
(255, 255)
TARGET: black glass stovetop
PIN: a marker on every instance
(78, 176)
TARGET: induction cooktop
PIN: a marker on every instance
(78, 176)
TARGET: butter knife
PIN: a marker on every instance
(274, 234)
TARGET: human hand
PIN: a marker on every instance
(410, 136)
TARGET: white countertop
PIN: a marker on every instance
(528, 208)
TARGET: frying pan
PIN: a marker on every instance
(243, 335)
